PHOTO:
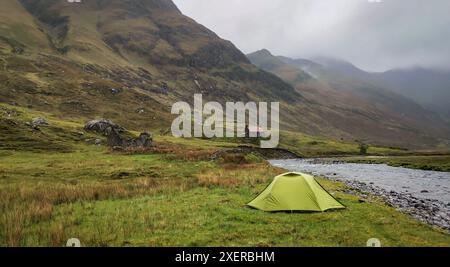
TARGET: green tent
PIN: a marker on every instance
(295, 192)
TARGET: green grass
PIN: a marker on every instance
(218, 217)
(310, 146)
(434, 163)
(174, 195)
(48, 198)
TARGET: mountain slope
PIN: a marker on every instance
(151, 29)
(125, 60)
(18, 29)
(394, 88)
(430, 88)
(350, 102)
(130, 60)
(427, 87)
(266, 61)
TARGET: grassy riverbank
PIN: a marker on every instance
(54, 185)
(432, 162)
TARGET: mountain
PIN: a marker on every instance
(339, 66)
(130, 60)
(430, 88)
(348, 79)
(266, 61)
(127, 60)
(353, 101)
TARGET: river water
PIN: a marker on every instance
(419, 183)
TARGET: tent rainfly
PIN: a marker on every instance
(295, 192)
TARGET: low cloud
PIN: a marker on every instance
(374, 36)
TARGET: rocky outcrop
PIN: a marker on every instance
(116, 140)
(102, 126)
(144, 140)
(116, 135)
(36, 122)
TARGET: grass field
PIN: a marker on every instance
(310, 146)
(109, 199)
(174, 195)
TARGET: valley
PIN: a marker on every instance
(125, 63)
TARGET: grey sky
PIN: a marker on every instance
(373, 36)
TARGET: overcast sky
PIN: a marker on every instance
(373, 36)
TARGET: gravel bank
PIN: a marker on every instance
(425, 195)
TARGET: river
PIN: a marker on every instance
(419, 183)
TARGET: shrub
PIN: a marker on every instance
(363, 148)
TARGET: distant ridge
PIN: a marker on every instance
(355, 101)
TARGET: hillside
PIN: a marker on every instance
(345, 97)
(428, 87)
(124, 60)
(347, 78)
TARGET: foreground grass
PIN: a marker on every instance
(217, 217)
(432, 163)
(54, 186)
(107, 199)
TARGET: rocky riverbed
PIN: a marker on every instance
(425, 195)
